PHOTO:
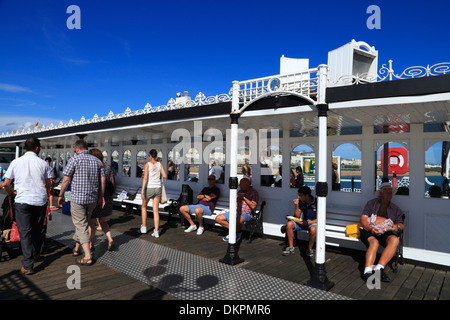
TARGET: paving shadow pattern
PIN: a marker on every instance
(187, 276)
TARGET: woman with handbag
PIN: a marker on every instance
(152, 189)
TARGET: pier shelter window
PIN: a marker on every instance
(302, 169)
(115, 161)
(437, 169)
(392, 164)
(191, 165)
(346, 167)
(141, 159)
(173, 165)
(216, 164)
(105, 156)
(271, 167)
(126, 163)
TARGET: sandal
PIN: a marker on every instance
(111, 246)
(85, 262)
(76, 253)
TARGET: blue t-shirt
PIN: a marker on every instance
(309, 211)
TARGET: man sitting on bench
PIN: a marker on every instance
(306, 211)
(207, 201)
(381, 219)
(247, 201)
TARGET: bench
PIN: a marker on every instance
(255, 225)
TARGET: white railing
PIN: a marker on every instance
(304, 83)
(388, 73)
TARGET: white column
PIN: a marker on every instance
(233, 162)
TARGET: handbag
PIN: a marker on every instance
(14, 234)
(163, 195)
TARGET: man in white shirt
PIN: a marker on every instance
(29, 173)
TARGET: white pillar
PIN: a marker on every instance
(232, 256)
(319, 278)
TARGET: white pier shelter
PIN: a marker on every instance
(346, 111)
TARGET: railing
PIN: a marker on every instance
(304, 83)
(387, 73)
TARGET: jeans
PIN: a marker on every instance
(30, 223)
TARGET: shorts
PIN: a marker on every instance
(247, 216)
(382, 238)
(206, 209)
(302, 227)
(151, 193)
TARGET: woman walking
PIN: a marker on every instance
(152, 189)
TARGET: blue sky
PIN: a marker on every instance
(130, 53)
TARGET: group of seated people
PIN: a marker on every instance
(380, 221)
(247, 201)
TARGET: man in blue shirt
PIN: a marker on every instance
(306, 212)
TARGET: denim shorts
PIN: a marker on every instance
(206, 209)
(301, 227)
(246, 216)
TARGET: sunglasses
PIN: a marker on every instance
(211, 179)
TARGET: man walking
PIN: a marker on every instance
(29, 173)
(87, 176)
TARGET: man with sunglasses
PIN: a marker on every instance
(207, 200)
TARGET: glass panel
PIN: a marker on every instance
(126, 163)
(105, 156)
(141, 159)
(271, 167)
(115, 161)
(217, 164)
(437, 169)
(302, 166)
(173, 167)
(346, 168)
(392, 164)
(191, 165)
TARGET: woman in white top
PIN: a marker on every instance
(151, 189)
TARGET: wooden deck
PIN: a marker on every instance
(344, 268)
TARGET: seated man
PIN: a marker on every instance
(207, 201)
(381, 219)
(306, 211)
(247, 200)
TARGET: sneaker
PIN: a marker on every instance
(26, 272)
(191, 228)
(310, 253)
(53, 208)
(288, 251)
(142, 230)
(155, 234)
(384, 276)
(367, 275)
(238, 237)
(200, 231)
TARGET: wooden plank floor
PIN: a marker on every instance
(264, 256)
